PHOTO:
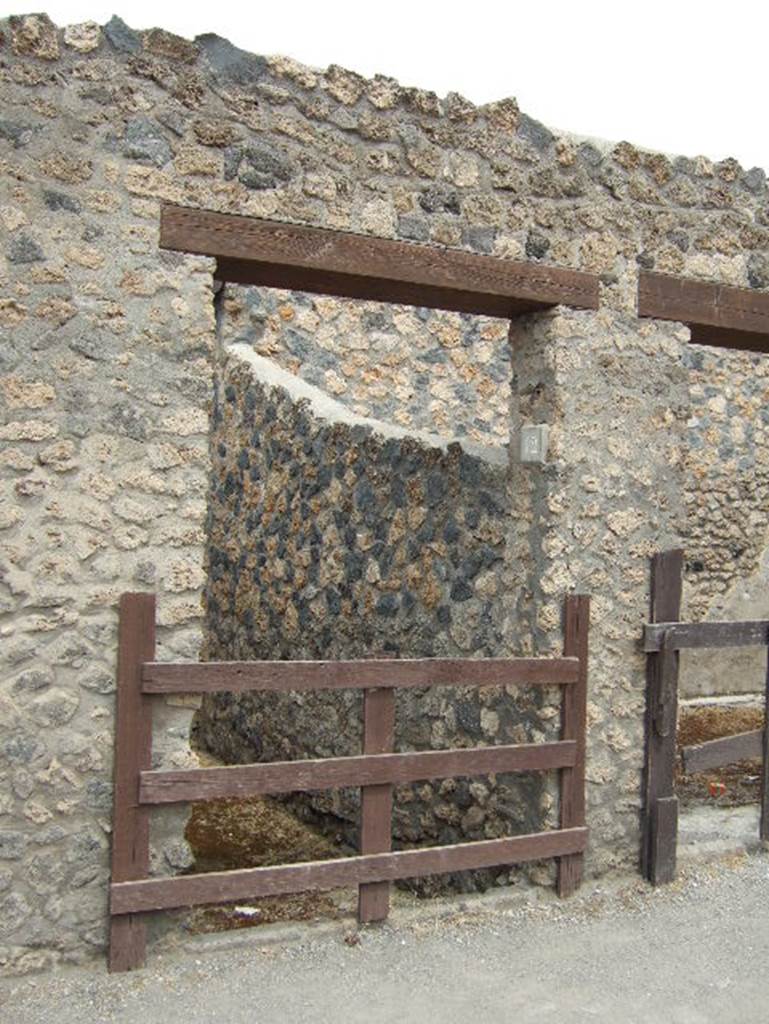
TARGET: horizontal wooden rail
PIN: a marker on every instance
(277, 254)
(239, 676)
(676, 636)
(167, 787)
(743, 746)
(717, 314)
(252, 883)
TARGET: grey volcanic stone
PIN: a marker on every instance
(758, 270)
(121, 37)
(129, 420)
(23, 748)
(440, 198)
(680, 239)
(61, 201)
(754, 180)
(479, 237)
(461, 590)
(414, 228)
(232, 158)
(12, 845)
(24, 249)
(590, 155)
(33, 680)
(264, 167)
(92, 346)
(97, 681)
(536, 245)
(99, 794)
(534, 132)
(388, 605)
(145, 142)
(229, 63)
(15, 132)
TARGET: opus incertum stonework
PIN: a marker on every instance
(300, 476)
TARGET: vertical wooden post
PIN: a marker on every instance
(764, 828)
(376, 801)
(573, 727)
(660, 824)
(133, 751)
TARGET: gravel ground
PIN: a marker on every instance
(694, 952)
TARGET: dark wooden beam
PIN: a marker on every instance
(283, 676)
(744, 746)
(717, 314)
(574, 729)
(249, 250)
(133, 754)
(251, 883)
(679, 635)
(376, 801)
(168, 787)
(763, 827)
(660, 817)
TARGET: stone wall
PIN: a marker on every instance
(105, 373)
(336, 537)
(106, 370)
(726, 541)
(426, 370)
(614, 393)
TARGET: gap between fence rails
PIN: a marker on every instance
(133, 894)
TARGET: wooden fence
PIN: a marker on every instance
(137, 787)
(664, 637)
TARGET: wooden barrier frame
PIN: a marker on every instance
(137, 787)
(663, 638)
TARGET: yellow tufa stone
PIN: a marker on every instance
(34, 36)
(25, 394)
(83, 37)
(67, 167)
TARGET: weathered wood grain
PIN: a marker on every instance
(718, 314)
(573, 729)
(764, 821)
(182, 786)
(239, 676)
(663, 839)
(283, 255)
(742, 746)
(680, 635)
(744, 341)
(660, 821)
(251, 883)
(376, 801)
(133, 741)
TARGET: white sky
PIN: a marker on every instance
(682, 76)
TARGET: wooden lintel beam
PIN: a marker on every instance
(249, 250)
(717, 314)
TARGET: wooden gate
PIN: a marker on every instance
(137, 788)
(664, 637)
